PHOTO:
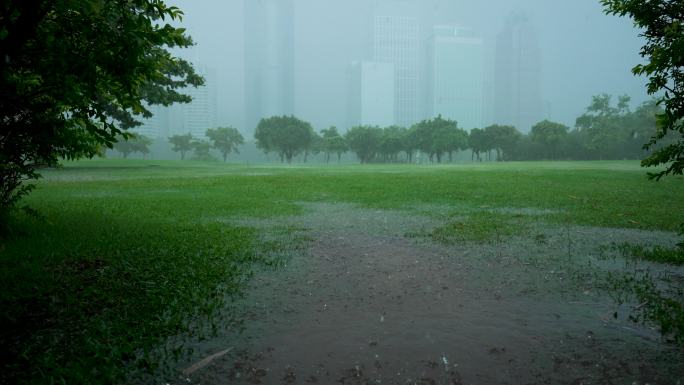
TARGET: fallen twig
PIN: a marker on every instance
(206, 361)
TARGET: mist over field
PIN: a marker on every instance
(354, 192)
(582, 52)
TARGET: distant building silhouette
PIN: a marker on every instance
(269, 59)
(456, 75)
(396, 41)
(517, 88)
(200, 114)
(372, 92)
(156, 126)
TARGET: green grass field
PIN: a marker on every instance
(129, 253)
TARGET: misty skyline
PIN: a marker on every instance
(582, 52)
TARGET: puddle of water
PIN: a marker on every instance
(366, 305)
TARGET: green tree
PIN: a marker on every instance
(142, 145)
(662, 26)
(181, 143)
(133, 143)
(285, 135)
(124, 145)
(502, 139)
(455, 139)
(436, 137)
(392, 142)
(365, 142)
(333, 143)
(202, 150)
(315, 146)
(642, 124)
(603, 126)
(225, 139)
(75, 74)
(478, 143)
(550, 135)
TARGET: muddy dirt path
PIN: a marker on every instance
(367, 305)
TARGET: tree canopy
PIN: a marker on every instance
(75, 74)
(225, 139)
(502, 139)
(550, 135)
(662, 26)
(131, 144)
(181, 143)
(438, 136)
(365, 142)
(285, 135)
(333, 143)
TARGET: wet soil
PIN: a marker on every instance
(365, 304)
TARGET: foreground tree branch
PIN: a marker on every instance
(76, 74)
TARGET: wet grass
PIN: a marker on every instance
(480, 227)
(130, 253)
(609, 194)
(667, 255)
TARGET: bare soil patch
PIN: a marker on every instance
(367, 305)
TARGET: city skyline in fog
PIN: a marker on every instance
(581, 52)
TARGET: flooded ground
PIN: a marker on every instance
(370, 303)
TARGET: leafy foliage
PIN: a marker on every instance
(438, 136)
(132, 143)
(479, 143)
(502, 139)
(662, 25)
(333, 143)
(225, 139)
(549, 135)
(75, 74)
(285, 135)
(181, 143)
(202, 150)
(365, 141)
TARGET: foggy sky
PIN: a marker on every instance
(583, 51)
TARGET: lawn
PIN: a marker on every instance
(129, 253)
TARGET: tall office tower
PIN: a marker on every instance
(456, 75)
(371, 94)
(200, 114)
(517, 76)
(157, 125)
(269, 59)
(396, 42)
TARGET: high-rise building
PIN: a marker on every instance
(517, 96)
(396, 41)
(456, 75)
(199, 115)
(372, 94)
(157, 125)
(269, 59)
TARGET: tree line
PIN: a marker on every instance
(606, 130)
(226, 140)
